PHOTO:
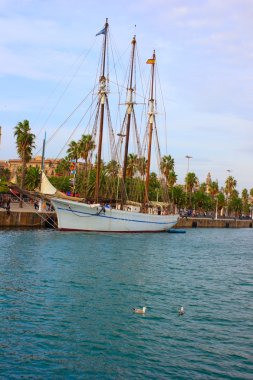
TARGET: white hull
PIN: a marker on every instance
(75, 216)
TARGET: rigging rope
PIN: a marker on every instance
(66, 87)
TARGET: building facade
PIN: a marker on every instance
(15, 164)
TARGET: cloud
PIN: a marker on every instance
(204, 54)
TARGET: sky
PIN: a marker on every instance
(204, 53)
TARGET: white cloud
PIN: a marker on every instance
(204, 52)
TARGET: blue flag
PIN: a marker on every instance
(101, 32)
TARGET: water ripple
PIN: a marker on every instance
(66, 305)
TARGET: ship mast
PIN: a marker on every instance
(129, 111)
(103, 95)
(151, 120)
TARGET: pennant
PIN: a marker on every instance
(151, 61)
(101, 32)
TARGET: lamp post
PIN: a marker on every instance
(226, 213)
(216, 209)
(188, 158)
(186, 182)
(188, 164)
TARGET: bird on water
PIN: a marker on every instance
(140, 311)
(181, 311)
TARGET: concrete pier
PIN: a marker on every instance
(213, 223)
(26, 217)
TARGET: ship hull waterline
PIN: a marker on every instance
(76, 216)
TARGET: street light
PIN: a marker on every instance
(188, 158)
(226, 211)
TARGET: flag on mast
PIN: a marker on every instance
(101, 32)
(151, 61)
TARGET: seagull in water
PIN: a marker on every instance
(139, 311)
(181, 311)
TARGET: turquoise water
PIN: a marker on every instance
(66, 302)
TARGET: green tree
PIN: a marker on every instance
(112, 169)
(61, 183)
(63, 167)
(202, 201)
(235, 205)
(191, 180)
(167, 165)
(245, 202)
(132, 165)
(141, 165)
(178, 195)
(5, 174)
(74, 151)
(230, 186)
(213, 188)
(172, 178)
(154, 184)
(86, 146)
(112, 179)
(25, 142)
(32, 179)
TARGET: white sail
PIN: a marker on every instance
(46, 186)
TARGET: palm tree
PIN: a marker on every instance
(235, 204)
(191, 180)
(251, 201)
(178, 195)
(245, 201)
(74, 154)
(141, 165)
(132, 165)
(172, 178)
(112, 179)
(230, 185)
(112, 169)
(167, 165)
(74, 150)
(213, 188)
(87, 145)
(25, 144)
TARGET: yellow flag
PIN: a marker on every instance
(151, 61)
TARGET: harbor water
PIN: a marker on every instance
(66, 305)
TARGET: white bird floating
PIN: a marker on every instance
(140, 311)
(181, 311)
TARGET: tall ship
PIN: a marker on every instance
(95, 213)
